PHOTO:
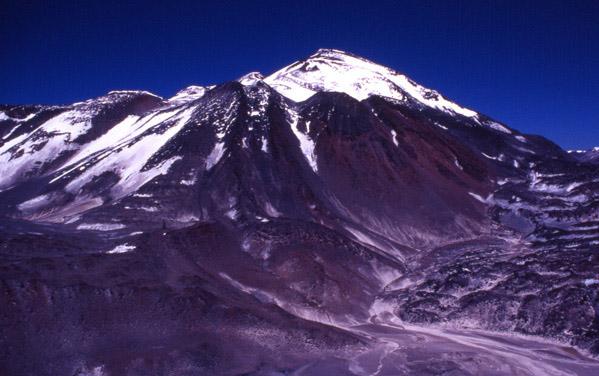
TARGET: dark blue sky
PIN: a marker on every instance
(531, 64)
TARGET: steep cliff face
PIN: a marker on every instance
(286, 223)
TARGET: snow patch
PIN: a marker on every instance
(221, 131)
(34, 203)
(143, 195)
(394, 137)
(5, 117)
(271, 211)
(150, 209)
(188, 182)
(258, 294)
(127, 147)
(498, 127)
(306, 143)
(100, 226)
(121, 248)
(215, 155)
(27, 152)
(441, 126)
(479, 197)
(489, 156)
(232, 214)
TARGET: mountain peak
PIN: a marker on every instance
(340, 55)
(336, 70)
(131, 93)
(330, 51)
(250, 78)
(190, 93)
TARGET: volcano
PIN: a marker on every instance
(332, 218)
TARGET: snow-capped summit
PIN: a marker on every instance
(250, 78)
(189, 94)
(336, 70)
(130, 93)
